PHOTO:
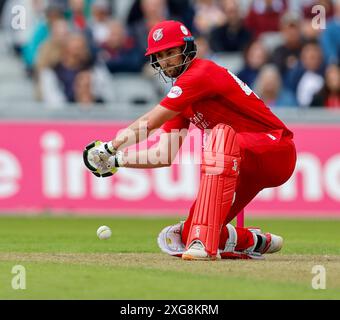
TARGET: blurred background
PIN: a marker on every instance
(72, 71)
(63, 52)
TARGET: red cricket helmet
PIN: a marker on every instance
(166, 35)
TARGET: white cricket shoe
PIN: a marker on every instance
(270, 243)
(196, 251)
(170, 241)
(273, 243)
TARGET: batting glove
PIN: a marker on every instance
(100, 159)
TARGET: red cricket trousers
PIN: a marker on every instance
(267, 160)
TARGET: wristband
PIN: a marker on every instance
(119, 159)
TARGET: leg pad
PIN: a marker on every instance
(220, 170)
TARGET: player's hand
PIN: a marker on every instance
(100, 159)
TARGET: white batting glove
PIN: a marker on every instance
(100, 159)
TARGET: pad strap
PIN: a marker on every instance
(232, 239)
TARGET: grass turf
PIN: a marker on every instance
(64, 259)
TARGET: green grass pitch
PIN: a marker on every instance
(64, 259)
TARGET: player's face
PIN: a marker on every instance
(171, 60)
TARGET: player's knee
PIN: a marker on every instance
(222, 139)
(222, 152)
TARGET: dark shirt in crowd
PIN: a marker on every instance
(181, 9)
(224, 39)
(128, 58)
(266, 19)
(66, 78)
(248, 75)
(324, 99)
(2, 2)
(285, 59)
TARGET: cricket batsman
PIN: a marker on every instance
(247, 149)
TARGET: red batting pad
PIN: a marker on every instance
(220, 169)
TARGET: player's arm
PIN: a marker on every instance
(159, 156)
(102, 159)
(140, 130)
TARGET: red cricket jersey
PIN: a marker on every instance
(207, 94)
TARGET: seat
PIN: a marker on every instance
(134, 89)
(232, 61)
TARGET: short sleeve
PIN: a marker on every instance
(177, 123)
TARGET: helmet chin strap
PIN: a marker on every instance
(184, 66)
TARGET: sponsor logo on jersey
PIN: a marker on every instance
(235, 167)
(158, 35)
(175, 92)
(199, 121)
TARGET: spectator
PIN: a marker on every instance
(330, 37)
(19, 37)
(310, 31)
(204, 52)
(182, 10)
(305, 79)
(83, 89)
(329, 95)
(2, 3)
(99, 21)
(264, 16)
(255, 58)
(231, 36)
(269, 87)
(287, 55)
(153, 12)
(57, 84)
(203, 49)
(40, 35)
(208, 15)
(307, 8)
(119, 51)
(50, 52)
(298, 6)
(177, 9)
(77, 14)
(309, 28)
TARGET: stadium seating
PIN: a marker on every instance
(271, 40)
(233, 61)
(14, 86)
(133, 89)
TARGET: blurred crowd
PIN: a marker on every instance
(70, 48)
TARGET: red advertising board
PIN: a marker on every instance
(41, 169)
